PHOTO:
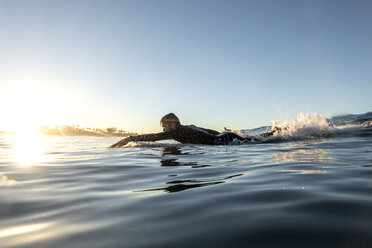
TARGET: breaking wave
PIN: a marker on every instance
(310, 126)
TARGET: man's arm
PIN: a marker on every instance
(143, 137)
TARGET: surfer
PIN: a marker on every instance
(190, 134)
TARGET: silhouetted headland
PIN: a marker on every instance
(66, 130)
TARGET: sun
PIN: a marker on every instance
(25, 109)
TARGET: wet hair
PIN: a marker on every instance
(170, 118)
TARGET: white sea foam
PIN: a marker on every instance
(304, 126)
(161, 143)
(367, 124)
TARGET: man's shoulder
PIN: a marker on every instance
(196, 129)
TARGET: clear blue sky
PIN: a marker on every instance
(214, 63)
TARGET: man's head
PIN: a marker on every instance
(169, 122)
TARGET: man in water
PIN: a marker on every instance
(189, 134)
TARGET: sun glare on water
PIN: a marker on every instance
(25, 109)
(28, 148)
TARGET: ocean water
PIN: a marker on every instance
(311, 186)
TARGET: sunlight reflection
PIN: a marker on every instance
(21, 230)
(317, 155)
(303, 172)
(28, 148)
(300, 156)
(4, 181)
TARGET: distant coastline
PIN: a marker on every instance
(77, 131)
(64, 130)
(5, 132)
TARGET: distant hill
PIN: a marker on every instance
(76, 131)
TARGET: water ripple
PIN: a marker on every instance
(312, 193)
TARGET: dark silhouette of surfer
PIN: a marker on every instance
(190, 134)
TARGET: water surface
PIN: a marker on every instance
(291, 191)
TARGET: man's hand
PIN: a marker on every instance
(122, 142)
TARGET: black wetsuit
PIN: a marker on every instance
(191, 135)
